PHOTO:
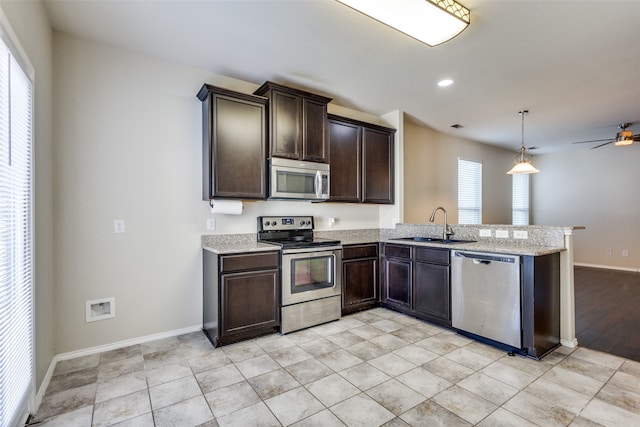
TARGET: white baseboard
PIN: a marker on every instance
(101, 348)
(607, 267)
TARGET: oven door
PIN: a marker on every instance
(309, 274)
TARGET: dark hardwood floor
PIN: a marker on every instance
(608, 311)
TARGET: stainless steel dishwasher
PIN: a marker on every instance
(485, 296)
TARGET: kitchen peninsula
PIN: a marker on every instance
(539, 241)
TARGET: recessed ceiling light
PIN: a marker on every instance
(445, 82)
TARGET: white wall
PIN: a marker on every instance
(597, 189)
(128, 146)
(431, 176)
(29, 22)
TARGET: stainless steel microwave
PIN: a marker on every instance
(293, 179)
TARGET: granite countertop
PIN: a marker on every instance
(231, 248)
(239, 243)
(486, 246)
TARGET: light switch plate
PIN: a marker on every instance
(502, 234)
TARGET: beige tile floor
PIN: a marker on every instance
(369, 369)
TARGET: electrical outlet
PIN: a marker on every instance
(609, 251)
(485, 232)
(502, 234)
(211, 223)
(625, 252)
(520, 234)
(332, 221)
(118, 226)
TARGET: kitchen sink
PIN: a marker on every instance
(433, 240)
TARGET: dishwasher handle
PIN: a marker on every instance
(487, 258)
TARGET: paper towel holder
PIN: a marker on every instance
(230, 207)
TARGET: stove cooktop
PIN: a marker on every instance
(290, 232)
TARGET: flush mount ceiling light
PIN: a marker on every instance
(431, 21)
(523, 160)
(445, 82)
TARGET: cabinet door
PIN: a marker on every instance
(314, 124)
(377, 166)
(359, 283)
(345, 155)
(250, 300)
(286, 116)
(431, 290)
(234, 144)
(397, 281)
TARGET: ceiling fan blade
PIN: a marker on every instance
(602, 145)
(593, 140)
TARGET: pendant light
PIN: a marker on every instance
(523, 163)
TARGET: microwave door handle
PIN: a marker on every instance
(318, 184)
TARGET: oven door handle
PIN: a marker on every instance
(316, 250)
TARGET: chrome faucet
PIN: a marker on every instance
(447, 231)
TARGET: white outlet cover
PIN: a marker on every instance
(118, 226)
(520, 234)
(502, 234)
(211, 223)
(485, 232)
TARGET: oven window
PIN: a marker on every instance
(312, 273)
(295, 182)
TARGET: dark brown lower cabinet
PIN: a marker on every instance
(241, 295)
(359, 277)
(415, 281)
(397, 277)
(431, 285)
(540, 304)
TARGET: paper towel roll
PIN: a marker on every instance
(228, 207)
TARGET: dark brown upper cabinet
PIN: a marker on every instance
(361, 161)
(234, 141)
(297, 123)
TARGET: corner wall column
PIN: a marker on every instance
(567, 295)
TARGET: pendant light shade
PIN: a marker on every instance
(523, 162)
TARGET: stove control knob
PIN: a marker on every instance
(273, 223)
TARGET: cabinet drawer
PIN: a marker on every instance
(360, 251)
(253, 261)
(437, 256)
(397, 251)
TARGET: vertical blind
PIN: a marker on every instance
(520, 199)
(469, 192)
(16, 277)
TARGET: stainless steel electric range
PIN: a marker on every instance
(311, 274)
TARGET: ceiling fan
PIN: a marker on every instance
(624, 137)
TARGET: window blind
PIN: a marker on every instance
(17, 384)
(469, 192)
(520, 199)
